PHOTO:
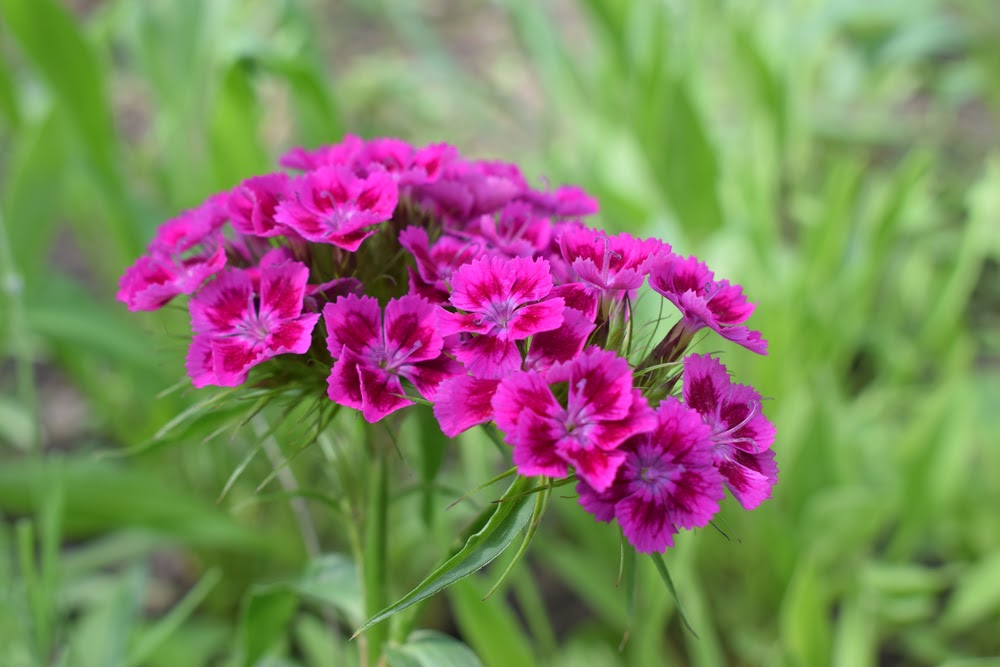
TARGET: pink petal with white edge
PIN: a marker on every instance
(282, 288)
(561, 344)
(410, 328)
(533, 451)
(294, 336)
(222, 304)
(647, 526)
(344, 383)
(199, 362)
(519, 393)
(488, 356)
(535, 317)
(593, 465)
(353, 322)
(750, 477)
(463, 402)
(427, 376)
(233, 360)
(381, 393)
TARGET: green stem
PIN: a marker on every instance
(12, 286)
(376, 556)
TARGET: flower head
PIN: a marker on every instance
(667, 481)
(741, 435)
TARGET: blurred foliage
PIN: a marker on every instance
(838, 158)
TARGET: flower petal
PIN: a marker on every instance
(462, 402)
(353, 322)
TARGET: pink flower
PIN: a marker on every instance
(372, 357)
(238, 325)
(516, 230)
(705, 302)
(254, 203)
(437, 263)
(342, 154)
(566, 200)
(469, 189)
(741, 435)
(195, 227)
(503, 303)
(332, 205)
(185, 252)
(404, 163)
(666, 483)
(610, 264)
(598, 409)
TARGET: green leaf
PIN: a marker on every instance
(492, 629)
(332, 580)
(266, 614)
(805, 617)
(431, 649)
(237, 151)
(510, 516)
(672, 126)
(661, 567)
(56, 46)
(16, 425)
(541, 502)
(94, 493)
(169, 624)
(976, 596)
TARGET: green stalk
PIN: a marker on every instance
(376, 556)
(12, 286)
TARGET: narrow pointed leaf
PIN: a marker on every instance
(512, 514)
(661, 567)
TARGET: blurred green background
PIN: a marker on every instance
(839, 158)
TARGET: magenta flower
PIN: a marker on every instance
(666, 483)
(564, 201)
(609, 264)
(741, 435)
(583, 428)
(516, 230)
(469, 189)
(191, 229)
(705, 302)
(332, 205)
(342, 154)
(371, 358)
(238, 326)
(185, 252)
(464, 401)
(503, 303)
(254, 202)
(437, 263)
(404, 163)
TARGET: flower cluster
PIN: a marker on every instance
(399, 272)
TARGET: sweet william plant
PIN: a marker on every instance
(398, 275)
